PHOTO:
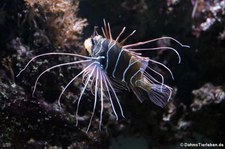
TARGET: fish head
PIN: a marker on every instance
(91, 43)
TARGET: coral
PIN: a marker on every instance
(58, 19)
(207, 94)
(206, 13)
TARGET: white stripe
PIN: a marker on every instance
(114, 70)
(100, 47)
(96, 45)
(134, 76)
(124, 73)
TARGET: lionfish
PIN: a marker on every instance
(112, 66)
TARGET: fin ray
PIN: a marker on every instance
(160, 94)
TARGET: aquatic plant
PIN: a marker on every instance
(58, 20)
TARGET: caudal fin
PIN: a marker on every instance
(160, 94)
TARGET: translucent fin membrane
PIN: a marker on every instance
(160, 94)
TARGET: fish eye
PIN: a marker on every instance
(88, 43)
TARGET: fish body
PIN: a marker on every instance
(127, 69)
(118, 63)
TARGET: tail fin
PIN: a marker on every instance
(158, 94)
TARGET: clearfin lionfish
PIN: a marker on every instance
(112, 66)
